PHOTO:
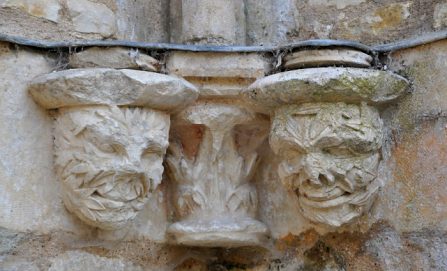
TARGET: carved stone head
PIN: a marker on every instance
(108, 159)
(330, 157)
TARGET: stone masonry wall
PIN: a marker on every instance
(264, 22)
(406, 228)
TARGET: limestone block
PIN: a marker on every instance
(327, 85)
(218, 74)
(82, 261)
(90, 17)
(389, 16)
(188, 64)
(114, 57)
(112, 87)
(418, 154)
(340, 4)
(143, 20)
(48, 9)
(271, 22)
(440, 16)
(13, 264)
(29, 192)
(327, 57)
(209, 21)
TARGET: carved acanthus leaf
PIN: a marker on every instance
(108, 160)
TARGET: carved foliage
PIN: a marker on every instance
(329, 157)
(108, 159)
(212, 159)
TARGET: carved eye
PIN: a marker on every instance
(152, 150)
(110, 147)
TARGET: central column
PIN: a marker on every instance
(212, 160)
(213, 153)
(207, 22)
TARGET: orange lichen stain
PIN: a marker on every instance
(192, 264)
(100, 251)
(419, 163)
(306, 239)
(37, 11)
(4, 48)
(191, 137)
(390, 16)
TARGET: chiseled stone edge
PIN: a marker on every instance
(98, 86)
(327, 57)
(114, 57)
(326, 85)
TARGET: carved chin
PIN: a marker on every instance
(110, 200)
(334, 206)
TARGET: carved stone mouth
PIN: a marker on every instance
(327, 202)
(322, 193)
(121, 187)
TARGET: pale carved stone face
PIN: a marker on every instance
(330, 158)
(108, 160)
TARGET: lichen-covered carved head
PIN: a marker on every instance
(108, 159)
(330, 157)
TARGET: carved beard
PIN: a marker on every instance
(106, 199)
(340, 194)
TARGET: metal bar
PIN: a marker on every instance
(383, 48)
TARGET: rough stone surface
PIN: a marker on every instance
(217, 65)
(81, 261)
(115, 57)
(337, 3)
(48, 9)
(109, 86)
(327, 57)
(252, 22)
(90, 17)
(209, 21)
(440, 16)
(29, 198)
(419, 139)
(327, 84)
(9, 239)
(272, 22)
(140, 20)
(368, 21)
(405, 228)
(143, 20)
(13, 264)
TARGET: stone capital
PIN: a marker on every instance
(327, 132)
(111, 134)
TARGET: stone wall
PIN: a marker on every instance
(249, 22)
(404, 229)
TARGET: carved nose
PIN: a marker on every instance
(133, 159)
(315, 171)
